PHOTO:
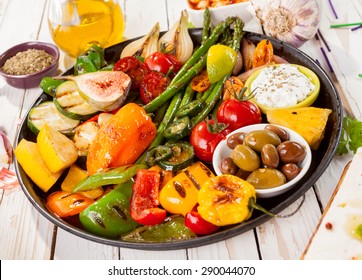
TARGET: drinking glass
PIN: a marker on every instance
(77, 24)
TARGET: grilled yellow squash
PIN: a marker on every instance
(309, 122)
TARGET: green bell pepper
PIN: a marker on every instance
(111, 176)
(49, 85)
(110, 216)
(173, 229)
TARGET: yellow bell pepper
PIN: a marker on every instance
(30, 159)
(165, 175)
(57, 150)
(74, 176)
(179, 195)
(226, 200)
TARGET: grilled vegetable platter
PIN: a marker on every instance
(114, 149)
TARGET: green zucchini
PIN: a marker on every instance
(46, 112)
(69, 102)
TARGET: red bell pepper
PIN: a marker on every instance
(144, 200)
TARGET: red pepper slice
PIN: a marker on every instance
(198, 225)
(144, 200)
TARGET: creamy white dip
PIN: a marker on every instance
(281, 86)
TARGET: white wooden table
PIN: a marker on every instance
(25, 234)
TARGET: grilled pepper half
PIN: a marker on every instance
(225, 200)
(144, 201)
(179, 195)
(172, 229)
(110, 216)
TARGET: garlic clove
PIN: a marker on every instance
(6, 149)
(293, 22)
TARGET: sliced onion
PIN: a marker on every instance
(144, 46)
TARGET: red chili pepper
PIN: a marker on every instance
(198, 225)
(144, 200)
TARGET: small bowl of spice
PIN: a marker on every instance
(24, 65)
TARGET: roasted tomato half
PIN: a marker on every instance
(134, 68)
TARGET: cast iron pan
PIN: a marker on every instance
(328, 98)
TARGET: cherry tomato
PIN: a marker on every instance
(163, 63)
(134, 68)
(152, 85)
(65, 204)
(236, 113)
(204, 138)
(198, 225)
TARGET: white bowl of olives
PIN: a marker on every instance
(271, 157)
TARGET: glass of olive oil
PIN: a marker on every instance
(77, 24)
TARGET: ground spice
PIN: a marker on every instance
(27, 62)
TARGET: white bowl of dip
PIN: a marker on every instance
(286, 86)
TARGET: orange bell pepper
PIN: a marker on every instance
(122, 139)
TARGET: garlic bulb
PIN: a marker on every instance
(6, 150)
(291, 21)
(144, 46)
(177, 40)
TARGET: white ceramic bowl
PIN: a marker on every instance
(223, 151)
(221, 13)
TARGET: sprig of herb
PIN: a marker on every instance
(351, 137)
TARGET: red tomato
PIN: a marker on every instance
(65, 204)
(237, 113)
(198, 225)
(152, 85)
(163, 63)
(134, 68)
(205, 141)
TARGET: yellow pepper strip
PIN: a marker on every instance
(30, 159)
(74, 176)
(225, 200)
(179, 195)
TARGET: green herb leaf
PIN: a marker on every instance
(351, 137)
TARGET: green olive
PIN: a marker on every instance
(258, 138)
(266, 178)
(245, 157)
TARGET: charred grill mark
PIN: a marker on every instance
(227, 193)
(193, 179)
(97, 220)
(207, 171)
(119, 212)
(180, 189)
(78, 202)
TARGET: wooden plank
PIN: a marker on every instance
(139, 21)
(31, 235)
(70, 247)
(24, 233)
(276, 243)
(241, 247)
(130, 254)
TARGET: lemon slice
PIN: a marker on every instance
(220, 62)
